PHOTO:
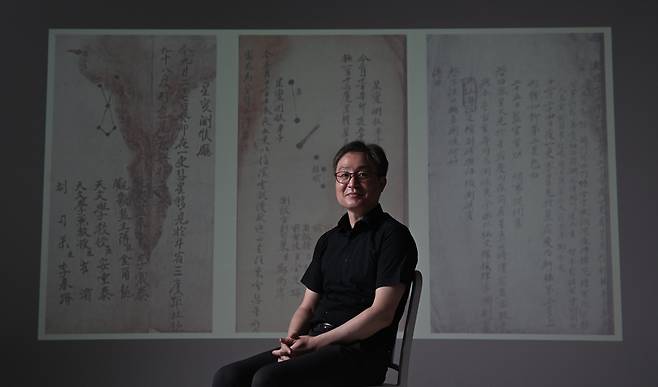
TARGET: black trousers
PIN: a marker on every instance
(335, 365)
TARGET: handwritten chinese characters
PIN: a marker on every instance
(519, 201)
(300, 98)
(130, 211)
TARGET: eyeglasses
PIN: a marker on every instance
(343, 177)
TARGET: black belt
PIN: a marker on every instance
(321, 328)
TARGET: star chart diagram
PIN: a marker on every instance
(300, 99)
(131, 177)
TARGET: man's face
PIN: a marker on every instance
(358, 196)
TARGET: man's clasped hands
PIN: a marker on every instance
(293, 346)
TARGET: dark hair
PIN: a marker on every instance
(373, 152)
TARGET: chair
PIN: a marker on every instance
(402, 367)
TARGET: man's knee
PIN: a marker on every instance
(226, 376)
(270, 376)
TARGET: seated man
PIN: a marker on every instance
(344, 330)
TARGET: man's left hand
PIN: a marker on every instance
(303, 344)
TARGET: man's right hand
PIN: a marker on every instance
(284, 352)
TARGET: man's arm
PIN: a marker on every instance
(302, 316)
(298, 323)
(374, 318)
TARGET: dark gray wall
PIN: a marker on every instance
(168, 363)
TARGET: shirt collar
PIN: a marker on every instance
(369, 220)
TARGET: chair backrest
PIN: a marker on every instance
(408, 334)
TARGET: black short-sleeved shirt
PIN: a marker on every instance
(350, 263)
